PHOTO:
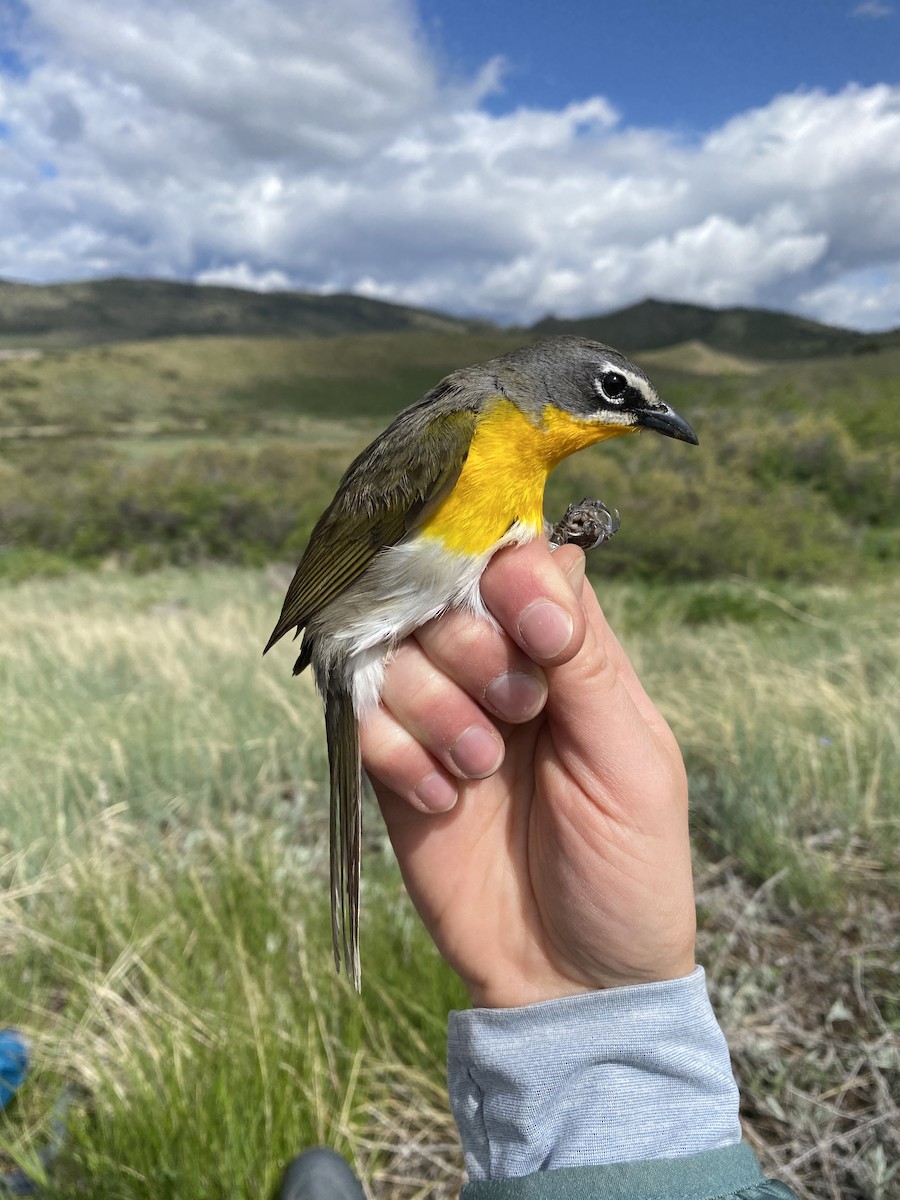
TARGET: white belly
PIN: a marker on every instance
(405, 586)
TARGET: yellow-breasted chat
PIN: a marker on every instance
(414, 522)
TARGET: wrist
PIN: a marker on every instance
(508, 993)
(509, 988)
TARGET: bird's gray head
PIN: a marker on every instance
(597, 384)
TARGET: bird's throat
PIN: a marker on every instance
(503, 478)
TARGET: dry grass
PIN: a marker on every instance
(163, 930)
(810, 1009)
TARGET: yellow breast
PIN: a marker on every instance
(503, 478)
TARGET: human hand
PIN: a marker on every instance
(535, 797)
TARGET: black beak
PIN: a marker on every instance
(666, 420)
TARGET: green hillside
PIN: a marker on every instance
(225, 385)
(103, 311)
(751, 332)
(115, 310)
(227, 449)
(256, 387)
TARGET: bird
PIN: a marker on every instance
(414, 522)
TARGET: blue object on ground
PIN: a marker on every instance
(13, 1063)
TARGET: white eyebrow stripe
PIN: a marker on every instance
(639, 383)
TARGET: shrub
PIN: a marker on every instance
(207, 503)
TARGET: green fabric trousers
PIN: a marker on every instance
(732, 1173)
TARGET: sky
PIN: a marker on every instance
(496, 158)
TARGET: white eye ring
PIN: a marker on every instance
(617, 400)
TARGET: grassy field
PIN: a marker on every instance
(162, 824)
(163, 928)
(208, 385)
(258, 384)
(184, 451)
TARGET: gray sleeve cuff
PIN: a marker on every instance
(613, 1076)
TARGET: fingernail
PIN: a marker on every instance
(436, 793)
(516, 696)
(546, 629)
(476, 752)
(576, 574)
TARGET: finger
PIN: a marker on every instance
(440, 715)
(606, 743)
(486, 663)
(528, 591)
(400, 764)
(613, 648)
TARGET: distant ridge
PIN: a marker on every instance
(115, 310)
(745, 332)
(94, 312)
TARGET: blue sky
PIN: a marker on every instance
(498, 159)
(687, 64)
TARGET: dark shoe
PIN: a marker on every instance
(320, 1175)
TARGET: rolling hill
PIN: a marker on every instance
(103, 311)
(745, 332)
(64, 315)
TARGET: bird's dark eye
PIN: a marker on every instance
(614, 385)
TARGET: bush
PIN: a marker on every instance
(787, 495)
(818, 452)
(207, 503)
(711, 520)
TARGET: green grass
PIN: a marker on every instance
(785, 703)
(164, 851)
(157, 692)
(183, 986)
(163, 854)
(229, 384)
(227, 449)
(162, 822)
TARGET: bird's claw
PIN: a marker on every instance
(588, 525)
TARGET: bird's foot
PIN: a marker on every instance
(588, 525)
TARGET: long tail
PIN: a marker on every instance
(342, 736)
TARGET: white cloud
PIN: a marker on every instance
(872, 9)
(313, 144)
(242, 275)
(869, 299)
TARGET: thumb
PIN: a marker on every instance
(607, 732)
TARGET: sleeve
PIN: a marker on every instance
(612, 1076)
(625, 1092)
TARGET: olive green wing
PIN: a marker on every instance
(387, 490)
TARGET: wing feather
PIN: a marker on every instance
(389, 489)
